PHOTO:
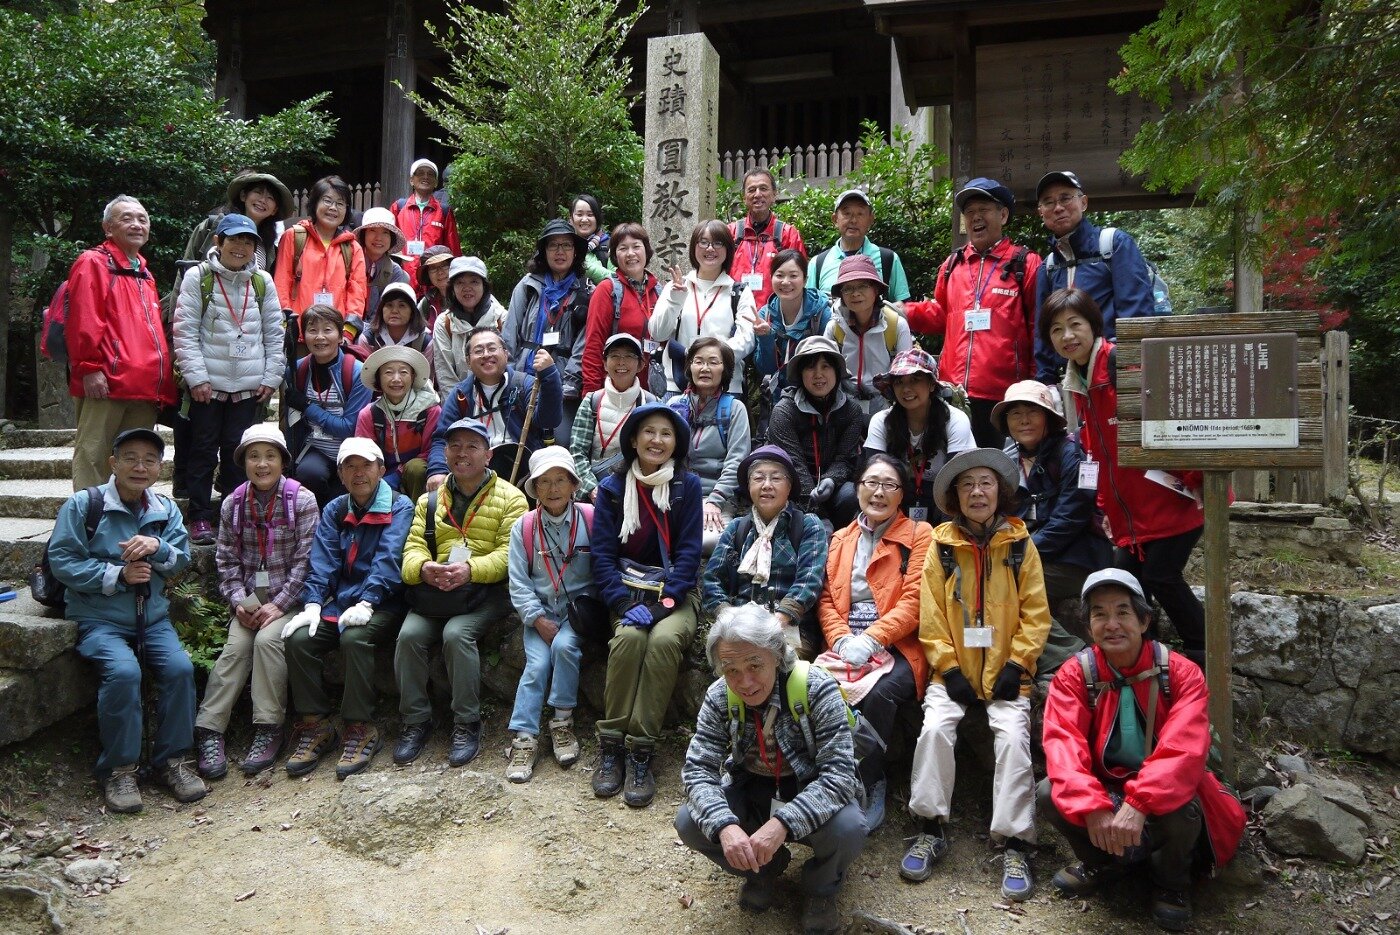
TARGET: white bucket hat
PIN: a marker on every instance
(551, 456)
(388, 354)
(1035, 393)
(265, 432)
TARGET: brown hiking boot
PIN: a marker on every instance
(312, 738)
(521, 765)
(120, 791)
(361, 743)
(183, 783)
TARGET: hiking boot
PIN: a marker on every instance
(201, 533)
(312, 738)
(1017, 884)
(641, 782)
(1171, 909)
(522, 758)
(564, 742)
(358, 747)
(874, 811)
(120, 791)
(182, 782)
(466, 744)
(263, 751)
(756, 892)
(927, 850)
(210, 758)
(607, 778)
(820, 916)
(411, 742)
(1081, 879)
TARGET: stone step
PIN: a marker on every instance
(40, 499)
(49, 464)
(59, 438)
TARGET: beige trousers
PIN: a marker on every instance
(255, 652)
(100, 421)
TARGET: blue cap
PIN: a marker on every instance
(230, 225)
(985, 188)
(1064, 177)
(469, 425)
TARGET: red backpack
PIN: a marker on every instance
(53, 337)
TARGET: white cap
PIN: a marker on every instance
(853, 193)
(420, 163)
(363, 447)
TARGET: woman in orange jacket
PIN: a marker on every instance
(869, 611)
(319, 261)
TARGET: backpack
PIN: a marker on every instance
(527, 531)
(741, 535)
(53, 337)
(380, 418)
(838, 333)
(206, 288)
(951, 568)
(724, 413)
(299, 234)
(886, 264)
(44, 585)
(777, 237)
(1161, 292)
(291, 487)
(1015, 267)
(347, 373)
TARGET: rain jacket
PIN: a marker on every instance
(463, 402)
(868, 353)
(525, 326)
(413, 428)
(771, 354)
(356, 558)
(322, 267)
(1057, 511)
(634, 315)
(754, 250)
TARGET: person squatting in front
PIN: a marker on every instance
(756, 777)
(983, 624)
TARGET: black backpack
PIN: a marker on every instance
(43, 584)
(741, 535)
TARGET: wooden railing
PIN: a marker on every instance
(366, 195)
(819, 164)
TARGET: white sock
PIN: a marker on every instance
(563, 714)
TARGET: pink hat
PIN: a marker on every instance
(855, 268)
(907, 364)
(1028, 391)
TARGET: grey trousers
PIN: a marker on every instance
(458, 636)
(248, 652)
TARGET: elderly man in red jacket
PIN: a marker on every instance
(120, 367)
(1126, 769)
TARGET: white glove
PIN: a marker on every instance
(823, 491)
(358, 615)
(310, 616)
(857, 650)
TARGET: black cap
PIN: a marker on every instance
(145, 435)
(1050, 178)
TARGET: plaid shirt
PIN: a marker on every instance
(794, 581)
(237, 555)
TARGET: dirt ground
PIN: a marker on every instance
(427, 848)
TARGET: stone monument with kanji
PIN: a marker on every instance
(682, 154)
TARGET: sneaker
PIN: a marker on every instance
(564, 742)
(1081, 879)
(359, 745)
(820, 916)
(927, 850)
(756, 892)
(607, 778)
(121, 792)
(263, 751)
(201, 533)
(875, 807)
(1017, 884)
(312, 738)
(466, 744)
(641, 782)
(522, 758)
(183, 783)
(411, 742)
(1171, 909)
(210, 759)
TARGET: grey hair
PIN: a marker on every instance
(111, 209)
(753, 624)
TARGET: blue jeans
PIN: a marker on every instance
(561, 657)
(112, 648)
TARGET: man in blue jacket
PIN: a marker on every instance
(499, 398)
(115, 582)
(1121, 284)
(352, 600)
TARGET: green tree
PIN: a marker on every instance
(102, 98)
(536, 104)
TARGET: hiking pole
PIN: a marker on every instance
(143, 591)
(525, 427)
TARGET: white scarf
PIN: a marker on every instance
(660, 483)
(757, 562)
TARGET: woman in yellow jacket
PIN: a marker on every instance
(471, 515)
(983, 623)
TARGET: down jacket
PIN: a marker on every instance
(497, 506)
(1016, 610)
(1076, 736)
(896, 597)
(205, 336)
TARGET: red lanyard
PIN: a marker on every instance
(605, 442)
(556, 581)
(663, 529)
(816, 451)
(699, 315)
(860, 359)
(247, 289)
(322, 396)
(261, 524)
(488, 411)
(777, 766)
(919, 467)
(478, 500)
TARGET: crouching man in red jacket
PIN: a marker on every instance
(1126, 771)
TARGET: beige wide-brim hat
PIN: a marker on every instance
(943, 495)
(552, 456)
(369, 372)
(1036, 394)
(382, 218)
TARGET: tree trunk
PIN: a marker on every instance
(7, 240)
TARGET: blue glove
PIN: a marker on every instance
(639, 615)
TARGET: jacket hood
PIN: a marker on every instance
(1011, 529)
(418, 401)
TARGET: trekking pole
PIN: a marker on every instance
(143, 591)
(525, 428)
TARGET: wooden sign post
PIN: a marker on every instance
(1215, 393)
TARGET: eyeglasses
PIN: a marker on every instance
(874, 485)
(765, 480)
(968, 486)
(486, 350)
(559, 247)
(332, 204)
(131, 461)
(709, 244)
(858, 286)
(1064, 201)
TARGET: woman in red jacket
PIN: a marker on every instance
(1126, 777)
(638, 290)
(1154, 517)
